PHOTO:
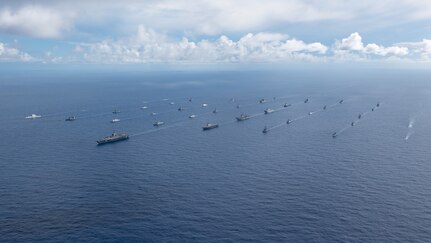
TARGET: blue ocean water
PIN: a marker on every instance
(372, 183)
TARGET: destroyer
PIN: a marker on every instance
(268, 110)
(33, 116)
(158, 124)
(242, 117)
(115, 137)
(71, 118)
(209, 126)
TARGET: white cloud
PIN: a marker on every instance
(8, 53)
(150, 46)
(34, 21)
(353, 45)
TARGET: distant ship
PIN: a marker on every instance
(115, 137)
(33, 116)
(287, 105)
(71, 118)
(306, 101)
(265, 130)
(268, 110)
(115, 120)
(242, 117)
(289, 121)
(157, 124)
(116, 112)
(192, 116)
(209, 126)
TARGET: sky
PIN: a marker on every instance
(215, 31)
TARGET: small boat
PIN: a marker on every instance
(274, 98)
(190, 99)
(115, 137)
(242, 117)
(33, 116)
(215, 111)
(341, 101)
(289, 121)
(306, 100)
(378, 105)
(209, 126)
(310, 113)
(262, 101)
(268, 110)
(193, 116)
(324, 107)
(71, 118)
(359, 116)
(116, 112)
(204, 105)
(372, 109)
(159, 123)
(144, 107)
(165, 99)
(153, 113)
(352, 124)
(334, 135)
(265, 130)
(115, 120)
(180, 108)
(172, 103)
(286, 105)
(232, 100)
(238, 106)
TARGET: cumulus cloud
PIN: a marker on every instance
(150, 46)
(422, 49)
(353, 45)
(8, 53)
(34, 21)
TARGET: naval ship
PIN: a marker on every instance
(209, 126)
(242, 117)
(115, 137)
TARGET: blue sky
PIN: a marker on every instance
(215, 31)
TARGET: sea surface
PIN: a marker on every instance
(177, 183)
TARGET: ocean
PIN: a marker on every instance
(177, 183)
